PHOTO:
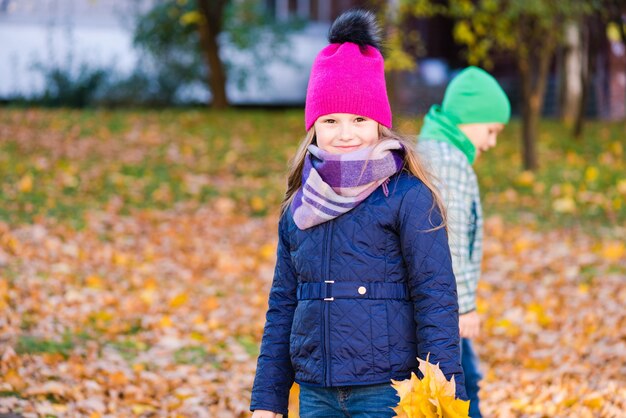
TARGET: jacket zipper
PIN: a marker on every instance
(327, 242)
(323, 310)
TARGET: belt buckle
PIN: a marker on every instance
(327, 290)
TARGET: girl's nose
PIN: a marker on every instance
(345, 132)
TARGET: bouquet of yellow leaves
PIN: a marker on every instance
(430, 397)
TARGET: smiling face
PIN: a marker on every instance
(482, 135)
(340, 133)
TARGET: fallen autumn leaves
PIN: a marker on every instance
(555, 336)
(160, 314)
(136, 256)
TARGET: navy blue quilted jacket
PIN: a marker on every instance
(356, 299)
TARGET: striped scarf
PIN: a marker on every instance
(333, 184)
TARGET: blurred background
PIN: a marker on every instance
(559, 59)
(144, 146)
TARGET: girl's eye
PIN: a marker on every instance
(329, 121)
(360, 119)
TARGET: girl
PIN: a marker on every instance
(363, 281)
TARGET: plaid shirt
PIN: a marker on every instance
(457, 183)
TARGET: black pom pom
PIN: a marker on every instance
(356, 26)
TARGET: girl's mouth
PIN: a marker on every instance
(348, 147)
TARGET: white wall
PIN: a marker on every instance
(55, 32)
(24, 44)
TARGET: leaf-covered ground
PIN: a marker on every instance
(137, 248)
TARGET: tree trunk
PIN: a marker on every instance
(531, 113)
(587, 70)
(533, 62)
(594, 41)
(579, 122)
(212, 12)
(573, 73)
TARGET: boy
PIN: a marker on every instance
(473, 112)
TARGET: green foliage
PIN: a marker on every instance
(511, 25)
(141, 88)
(71, 88)
(398, 58)
(249, 28)
(420, 8)
(169, 34)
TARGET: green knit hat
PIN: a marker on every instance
(474, 96)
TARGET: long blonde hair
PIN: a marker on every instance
(412, 164)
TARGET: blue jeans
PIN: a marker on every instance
(469, 361)
(373, 401)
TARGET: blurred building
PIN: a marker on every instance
(610, 80)
(61, 32)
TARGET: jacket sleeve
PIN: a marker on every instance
(431, 283)
(454, 183)
(274, 373)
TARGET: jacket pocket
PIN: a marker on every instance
(304, 342)
(380, 338)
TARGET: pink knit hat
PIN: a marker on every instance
(348, 76)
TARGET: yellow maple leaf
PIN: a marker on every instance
(118, 378)
(120, 259)
(614, 251)
(166, 322)
(139, 408)
(593, 402)
(94, 282)
(525, 178)
(433, 396)
(564, 205)
(268, 251)
(535, 312)
(4, 294)
(257, 204)
(522, 244)
(591, 174)
(25, 184)
(148, 293)
(13, 378)
(148, 296)
(191, 18)
(179, 300)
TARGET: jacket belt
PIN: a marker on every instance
(331, 290)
